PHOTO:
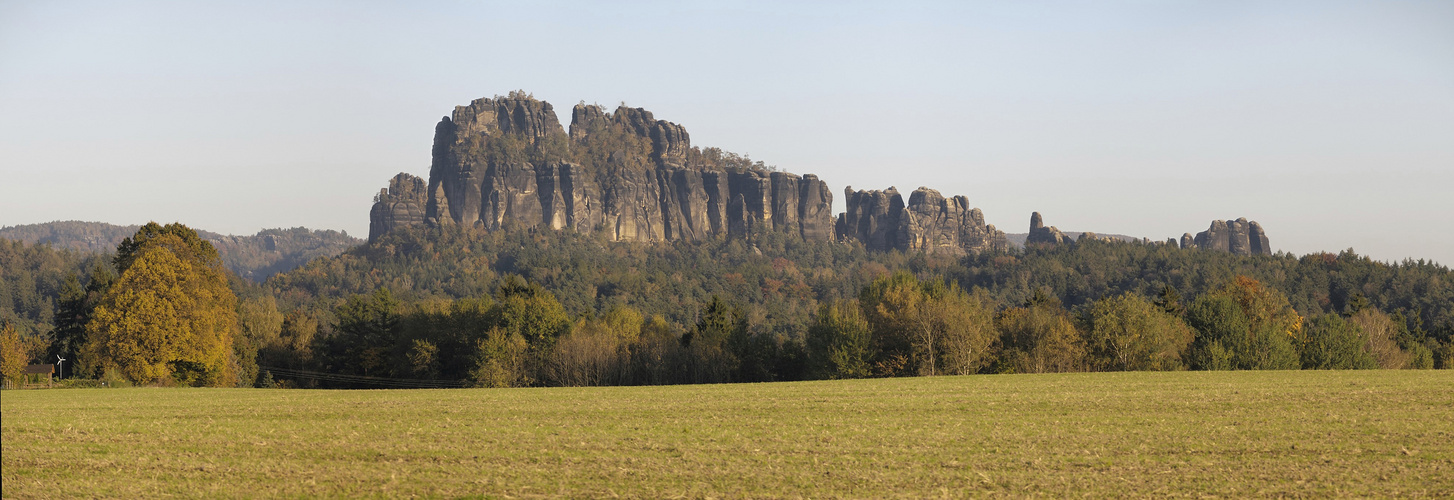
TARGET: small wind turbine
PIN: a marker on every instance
(60, 366)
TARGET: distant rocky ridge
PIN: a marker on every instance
(506, 162)
(1239, 237)
(929, 222)
(1040, 234)
(256, 257)
(1017, 240)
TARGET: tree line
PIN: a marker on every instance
(524, 307)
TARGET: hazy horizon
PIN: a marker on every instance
(1327, 122)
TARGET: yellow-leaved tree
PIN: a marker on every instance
(12, 353)
(169, 316)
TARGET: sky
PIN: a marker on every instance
(1331, 123)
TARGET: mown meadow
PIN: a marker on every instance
(1225, 434)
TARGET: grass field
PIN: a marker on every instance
(1230, 434)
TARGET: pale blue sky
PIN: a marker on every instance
(1331, 123)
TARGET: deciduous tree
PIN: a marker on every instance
(1333, 343)
(1128, 332)
(13, 357)
(1245, 326)
(168, 316)
(840, 342)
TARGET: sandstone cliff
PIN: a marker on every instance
(929, 222)
(1042, 235)
(1240, 237)
(400, 204)
(506, 162)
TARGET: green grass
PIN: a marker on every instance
(1230, 434)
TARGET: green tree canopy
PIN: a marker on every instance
(1245, 326)
(1040, 338)
(840, 342)
(1333, 343)
(1128, 332)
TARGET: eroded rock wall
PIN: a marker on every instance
(507, 162)
(639, 182)
(401, 204)
(1239, 237)
(929, 222)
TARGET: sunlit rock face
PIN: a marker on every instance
(400, 204)
(1240, 237)
(929, 222)
(506, 162)
(1040, 234)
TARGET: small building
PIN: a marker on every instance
(35, 372)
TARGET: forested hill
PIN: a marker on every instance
(450, 306)
(782, 279)
(254, 257)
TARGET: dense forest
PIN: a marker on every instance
(456, 307)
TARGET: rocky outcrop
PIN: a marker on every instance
(1091, 236)
(935, 224)
(929, 223)
(815, 209)
(1042, 235)
(873, 217)
(506, 162)
(1239, 237)
(400, 204)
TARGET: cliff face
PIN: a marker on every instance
(929, 222)
(400, 204)
(506, 162)
(1240, 237)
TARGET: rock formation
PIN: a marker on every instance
(1042, 235)
(1091, 236)
(1240, 237)
(506, 162)
(929, 222)
(400, 204)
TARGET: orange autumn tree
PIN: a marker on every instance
(169, 316)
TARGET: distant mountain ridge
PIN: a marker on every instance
(255, 257)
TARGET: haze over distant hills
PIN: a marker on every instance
(255, 257)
